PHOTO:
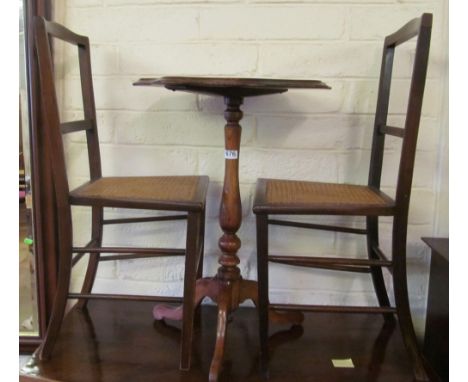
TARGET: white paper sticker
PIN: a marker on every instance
(230, 154)
(343, 363)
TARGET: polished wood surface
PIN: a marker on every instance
(120, 342)
(436, 335)
(43, 232)
(231, 87)
(286, 197)
(228, 289)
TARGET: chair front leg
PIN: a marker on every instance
(201, 250)
(93, 262)
(262, 269)
(193, 243)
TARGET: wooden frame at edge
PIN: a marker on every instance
(44, 239)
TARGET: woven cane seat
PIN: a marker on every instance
(296, 197)
(162, 192)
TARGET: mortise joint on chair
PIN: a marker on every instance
(392, 130)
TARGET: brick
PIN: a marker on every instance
(250, 22)
(424, 169)
(254, 163)
(339, 59)
(105, 121)
(351, 246)
(212, 234)
(314, 296)
(332, 132)
(69, 116)
(422, 206)
(421, 211)
(175, 128)
(293, 164)
(427, 137)
(119, 94)
(361, 97)
(81, 225)
(169, 269)
(416, 1)
(123, 285)
(317, 280)
(211, 162)
(104, 60)
(76, 159)
(299, 242)
(130, 160)
(188, 59)
(399, 96)
(321, 60)
(106, 270)
(249, 244)
(325, 1)
(395, 16)
(353, 167)
(83, 3)
(404, 60)
(153, 2)
(415, 246)
(125, 24)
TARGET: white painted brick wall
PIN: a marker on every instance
(281, 22)
(322, 135)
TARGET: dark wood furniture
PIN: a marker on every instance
(436, 336)
(165, 193)
(44, 258)
(227, 288)
(289, 197)
(90, 345)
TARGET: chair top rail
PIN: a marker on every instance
(62, 33)
(409, 30)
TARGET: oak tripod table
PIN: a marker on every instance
(228, 289)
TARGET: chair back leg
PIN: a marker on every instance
(400, 285)
(59, 305)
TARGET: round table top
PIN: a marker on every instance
(231, 86)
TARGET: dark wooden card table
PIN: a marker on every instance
(228, 289)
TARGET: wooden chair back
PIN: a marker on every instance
(52, 128)
(420, 27)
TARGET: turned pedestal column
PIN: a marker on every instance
(228, 289)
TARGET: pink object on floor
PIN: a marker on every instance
(161, 312)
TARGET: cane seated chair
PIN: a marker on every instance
(290, 197)
(184, 195)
